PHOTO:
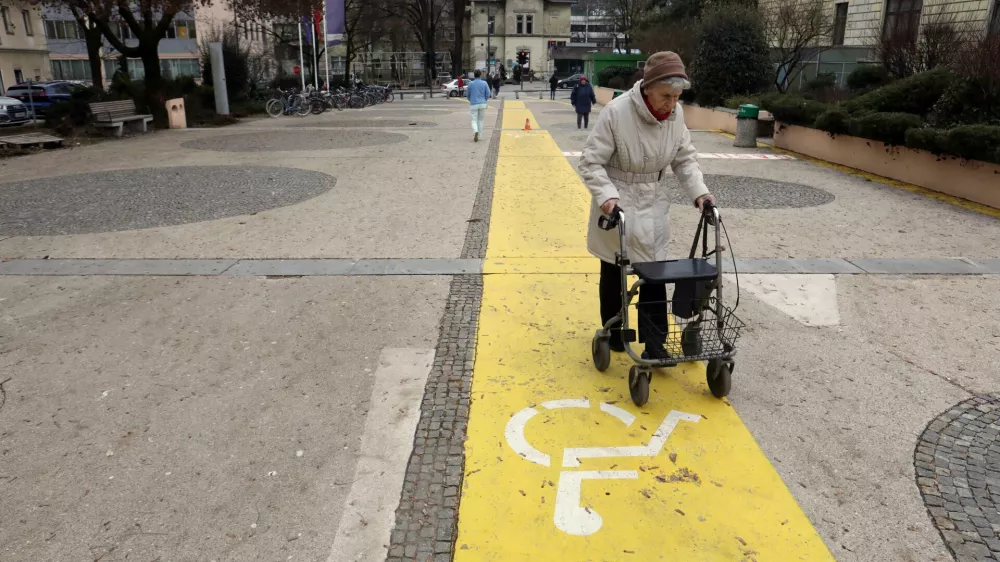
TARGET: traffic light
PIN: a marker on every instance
(522, 58)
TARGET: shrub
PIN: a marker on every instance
(616, 82)
(235, 60)
(927, 138)
(793, 110)
(968, 101)
(736, 101)
(833, 121)
(822, 81)
(867, 76)
(607, 73)
(975, 142)
(889, 128)
(732, 56)
(916, 94)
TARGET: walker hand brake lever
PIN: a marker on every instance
(610, 223)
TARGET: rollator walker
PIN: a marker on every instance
(699, 327)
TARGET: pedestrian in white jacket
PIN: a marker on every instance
(625, 161)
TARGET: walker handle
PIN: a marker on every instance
(610, 223)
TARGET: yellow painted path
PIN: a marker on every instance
(560, 465)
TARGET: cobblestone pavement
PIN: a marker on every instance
(957, 464)
(428, 509)
(741, 192)
(283, 141)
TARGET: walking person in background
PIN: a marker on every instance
(496, 85)
(479, 94)
(553, 82)
(583, 99)
(461, 86)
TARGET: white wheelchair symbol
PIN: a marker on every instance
(570, 517)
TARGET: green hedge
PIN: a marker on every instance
(732, 56)
(834, 121)
(793, 110)
(607, 73)
(916, 94)
(889, 128)
(867, 76)
(974, 142)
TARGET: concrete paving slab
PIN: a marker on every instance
(993, 266)
(417, 267)
(917, 266)
(262, 268)
(806, 265)
(114, 267)
(198, 418)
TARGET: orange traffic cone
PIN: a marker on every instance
(527, 125)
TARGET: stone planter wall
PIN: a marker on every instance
(967, 179)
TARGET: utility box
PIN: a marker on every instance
(176, 116)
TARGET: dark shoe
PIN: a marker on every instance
(655, 353)
(475, 137)
(617, 345)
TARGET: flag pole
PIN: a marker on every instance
(326, 46)
(302, 61)
(312, 24)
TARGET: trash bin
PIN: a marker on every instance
(746, 126)
(176, 116)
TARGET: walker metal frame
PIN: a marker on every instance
(708, 329)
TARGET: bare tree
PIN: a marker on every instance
(626, 16)
(424, 18)
(940, 41)
(796, 30)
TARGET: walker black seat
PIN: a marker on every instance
(673, 271)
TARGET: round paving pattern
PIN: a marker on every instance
(957, 464)
(740, 192)
(281, 140)
(355, 121)
(150, 197)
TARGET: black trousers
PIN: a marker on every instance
(584, 118)
(652, 306)
(552, 94)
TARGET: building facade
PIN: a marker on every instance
(859, 24)
(503, 31)
(23, 51)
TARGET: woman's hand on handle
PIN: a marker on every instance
(699, 202)
(608, 206)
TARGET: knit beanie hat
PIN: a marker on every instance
(665, 64)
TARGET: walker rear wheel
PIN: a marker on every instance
(638, 386)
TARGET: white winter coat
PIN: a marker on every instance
(626, 157)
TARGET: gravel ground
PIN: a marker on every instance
(360, 122)
(740, 192)
(149, 197)
(291, 140)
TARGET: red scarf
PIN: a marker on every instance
(659, 116)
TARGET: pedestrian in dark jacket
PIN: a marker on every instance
(553, 82)
(496, 85)
(583, 99)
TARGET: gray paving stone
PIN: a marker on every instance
(263, 268)
(918, 266)
(809, 265)
(114, 267)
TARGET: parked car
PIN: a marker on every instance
(570, 82)
(12, 111)
(451, 88)
(39, 96)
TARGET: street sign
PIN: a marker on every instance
(297, 70)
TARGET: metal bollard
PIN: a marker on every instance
(517, 95)
(746, 126)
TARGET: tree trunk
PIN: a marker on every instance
(458, 17)
(92, 35)
(153, 80)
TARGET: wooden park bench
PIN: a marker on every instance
(116, 114)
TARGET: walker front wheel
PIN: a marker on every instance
(638, 386)
(600, 348)
(720, 377)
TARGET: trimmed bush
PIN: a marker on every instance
(822, 81)
(732, 57)
(793, 110)
(967, 101)
(867, 76)
(833, 121)
(889, 128)
(916, 94)
(607, 73)
(616, 82)
(736, 101)
(975, 142)
(927, 138)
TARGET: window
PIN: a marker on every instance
(18, 75)
(491, 25)
(55, 29)
(124, 31)
(5, 14)
(71, 70)
(185, 29)
(528, 24)
(902, 19)
(26, 16)
(839, 23)
(520, 23)
(995, 23)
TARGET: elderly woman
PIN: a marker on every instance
(636, 138)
